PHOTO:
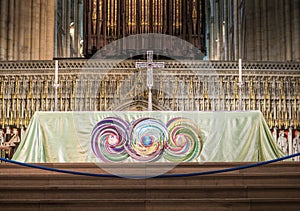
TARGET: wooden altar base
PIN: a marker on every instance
(270, 187)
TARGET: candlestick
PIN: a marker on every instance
(56, 72)
(240, 71)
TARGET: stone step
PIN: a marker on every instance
(148, 192)
(172, 169)
(153, 204)
(269, 187)
(25, 179)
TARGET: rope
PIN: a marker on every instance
(159, 176)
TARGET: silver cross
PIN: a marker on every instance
(150, 65)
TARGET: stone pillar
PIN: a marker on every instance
(258, 34)
(42, 30)
(264, 30)
(3, 29)
(281, 30)
(27, 31)
(35, 38)
(296, 30)
(271, 30)
(288, 36)
(236, 29)
(249, 37)
(10, 43)
(21, 21)
(16, 29)
(50, 14)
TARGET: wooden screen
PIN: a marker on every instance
(109, 20)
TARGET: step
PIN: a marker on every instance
(25, 179)
(157, 205)
(148, 192)
(181, 168)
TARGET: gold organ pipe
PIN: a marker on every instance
(100, 15)
(155, 11)
(177, 16)
(94, 17)
(143, 16)
(129, 16)
(112, 15)
(180, 15)
(160, 20)
(134, 25)
(126, 16)
(116, 18)
(174, 17)
(108, 17)
(147, 15)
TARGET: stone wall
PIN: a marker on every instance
(26, 29)
(254, 30)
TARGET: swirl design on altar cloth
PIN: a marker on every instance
(147, 137)
(184, 143)
(146, 140)
(108, 139)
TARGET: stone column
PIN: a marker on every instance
(50, 10)
(10, 43)
(16, 27)
(35, 30)
(3, 29)
(264, 31)
(236, 29)
(42, 30)
(257, 25)
(288, 22)
(271, 30)
(21, 37)
(296, 30)
(27, 30)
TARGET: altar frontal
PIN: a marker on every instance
(148, 136)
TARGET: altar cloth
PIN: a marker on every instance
(54, 137)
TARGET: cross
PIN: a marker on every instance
(149, 65)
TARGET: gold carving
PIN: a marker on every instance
(252, 99)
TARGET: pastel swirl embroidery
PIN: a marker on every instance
(146, 139)
(184, 143)
(108, 139)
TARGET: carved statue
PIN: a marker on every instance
(282, 142)
(296, 145)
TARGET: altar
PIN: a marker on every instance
(159, 136)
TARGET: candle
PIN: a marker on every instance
(240, 71)
(56, 72)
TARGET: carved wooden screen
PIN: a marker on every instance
(109, 20)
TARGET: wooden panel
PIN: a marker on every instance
(109, 20)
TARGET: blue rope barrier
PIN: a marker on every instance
(159, 176)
